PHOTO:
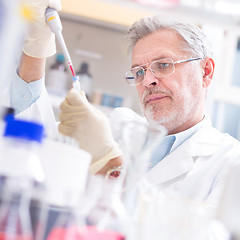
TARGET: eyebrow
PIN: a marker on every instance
(154, 59)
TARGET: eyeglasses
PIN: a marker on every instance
(159, 68)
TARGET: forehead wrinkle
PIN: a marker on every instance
(162, 47)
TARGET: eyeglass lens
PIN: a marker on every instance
(163, 67)
(159, 68)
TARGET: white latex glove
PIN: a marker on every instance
(39, 41)
(90, 127)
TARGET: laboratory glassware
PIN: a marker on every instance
(15, 221)
(92, 218)
(138, 141)
(109, 215)
(22, 176)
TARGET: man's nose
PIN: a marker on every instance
(149, 78)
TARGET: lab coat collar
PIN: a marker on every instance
(203, 143)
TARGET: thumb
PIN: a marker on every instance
(76, 98)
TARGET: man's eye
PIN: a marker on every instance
(163, 65)
(140, 73)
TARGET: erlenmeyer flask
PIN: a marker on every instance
(65, 227)
(109, 216)
(138, 141)
(92, 218)
(67, 221)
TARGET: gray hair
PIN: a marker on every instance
(195, 41)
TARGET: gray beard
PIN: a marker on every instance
(149, 113)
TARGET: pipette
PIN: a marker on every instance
(54, 22)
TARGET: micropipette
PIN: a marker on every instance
(54, 23)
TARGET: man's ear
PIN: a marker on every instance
(208, 70)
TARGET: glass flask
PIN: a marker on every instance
(138, 141)
(21, 177)
(98, 215)
(109, 217)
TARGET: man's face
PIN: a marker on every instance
(175, 101)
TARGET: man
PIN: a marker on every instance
(172, 69)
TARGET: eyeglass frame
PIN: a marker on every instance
(150, 64)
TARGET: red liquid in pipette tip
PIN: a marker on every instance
(71, 68)
(75, 79)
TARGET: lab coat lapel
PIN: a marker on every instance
(203, 143)
(173, 165)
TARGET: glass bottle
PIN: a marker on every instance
(22, 174)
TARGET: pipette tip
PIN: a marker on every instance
(76, 83)
(75, 78)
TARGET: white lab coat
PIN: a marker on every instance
(198, 168)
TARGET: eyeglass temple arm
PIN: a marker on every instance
(188, 60)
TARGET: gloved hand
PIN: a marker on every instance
(90, 127)
(39, 41)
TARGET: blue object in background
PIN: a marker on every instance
(111, 100)
(231, 121)
(117, 102)
(106, 100)
(60, 58)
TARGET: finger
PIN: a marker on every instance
(76, 98)
(67, 117)
(66, 108)
(66, 130)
